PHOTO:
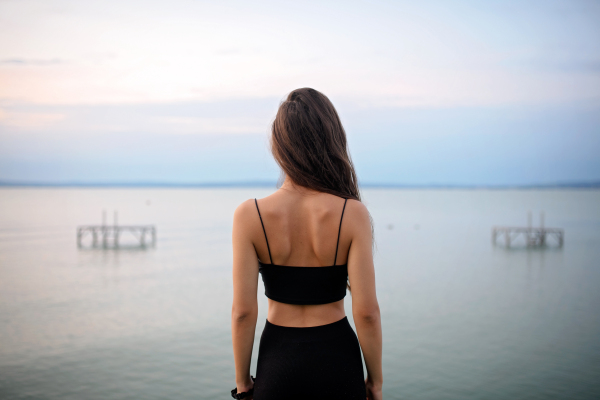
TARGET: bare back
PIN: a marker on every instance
(302, 229)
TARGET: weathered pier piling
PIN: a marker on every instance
(106, 236)
(534, 237)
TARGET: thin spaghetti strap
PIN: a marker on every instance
(339, 231)
(263, 226)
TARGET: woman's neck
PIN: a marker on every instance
(290, 185)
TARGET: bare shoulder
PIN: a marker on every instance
(244, 213)
(244, 207)
(357, 212)
(357, 218)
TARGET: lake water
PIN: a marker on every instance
(462, 319)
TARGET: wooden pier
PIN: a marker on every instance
(108, 236)
(534, 237)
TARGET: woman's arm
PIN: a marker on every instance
(365, 309)
(245, 281)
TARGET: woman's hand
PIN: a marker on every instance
(245, 386)
(373, 390)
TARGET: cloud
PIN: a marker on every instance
(551, 63)
(31, 62)
(580, 66)
(227, 51)
(29, 120)
(194, 125)
(250, 116)
(404, 54)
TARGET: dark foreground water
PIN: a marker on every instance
(462, 319)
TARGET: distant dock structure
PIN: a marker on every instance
(534, 237)
(108, 236)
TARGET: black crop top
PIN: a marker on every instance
(304, 285)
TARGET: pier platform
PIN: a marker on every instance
(108, 236)
(534, 237)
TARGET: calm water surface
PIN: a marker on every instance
(462, 319)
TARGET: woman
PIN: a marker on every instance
(309, 240)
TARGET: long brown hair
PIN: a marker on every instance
(309, 143)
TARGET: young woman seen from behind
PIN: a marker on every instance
(309, 240)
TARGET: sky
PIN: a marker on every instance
(430, 92)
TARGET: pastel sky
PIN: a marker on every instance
(430, 92)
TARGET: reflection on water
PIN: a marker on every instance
(462, 319)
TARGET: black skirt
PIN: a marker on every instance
(320, 362)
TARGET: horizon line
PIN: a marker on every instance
(273, 184)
